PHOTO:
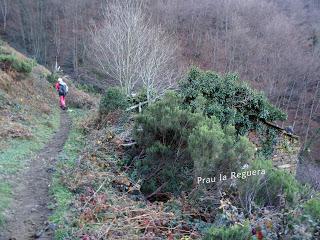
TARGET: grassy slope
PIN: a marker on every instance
(32, 116)
(29, 115)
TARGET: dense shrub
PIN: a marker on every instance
(114, 99)
(163, 130)
(12, 61)
(312, 207)
(235, 232)
(276, 188)
(177, 140)
(215, 150)
(52, 78)
(232, 102)
(229, 99)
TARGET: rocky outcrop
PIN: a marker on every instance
(286, 148)
(286, 152)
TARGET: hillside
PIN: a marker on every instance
(203, 162)
(273, 44)
(111, 180)
(183, 120)
(29, 118)
(27, 97)
(24, 98)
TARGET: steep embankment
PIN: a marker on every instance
(28, 117)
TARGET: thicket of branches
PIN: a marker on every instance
(128, 48)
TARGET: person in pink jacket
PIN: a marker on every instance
(62, 89)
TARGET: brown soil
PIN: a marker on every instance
(29, 210)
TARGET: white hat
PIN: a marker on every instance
(60, 80)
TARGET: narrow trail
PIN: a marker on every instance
(28, 213)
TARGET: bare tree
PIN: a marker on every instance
(132, 51)
(159, 69)
(4, 11)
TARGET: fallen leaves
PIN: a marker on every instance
(104, 198)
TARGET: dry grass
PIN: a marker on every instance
(5, 81)
(14, 130)
(45, 108)
(108, 205)
(79, 99)
(23, 98)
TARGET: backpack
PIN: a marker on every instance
(62, 89)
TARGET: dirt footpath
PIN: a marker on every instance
(28, 213)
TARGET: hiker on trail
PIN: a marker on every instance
(62, 89)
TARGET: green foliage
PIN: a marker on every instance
(114, 99)
(270, 189)
(216, 150)
(232, 101)
(5, 196)
(179, 142)
(235, 232)
(23, 66)
(229, 99)
(163, 130)
(52, 78)
(312, 207)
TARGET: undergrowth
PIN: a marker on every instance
(12, 61)
(5, 194)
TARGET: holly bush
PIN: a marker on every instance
(200, 130)
(232, 101)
